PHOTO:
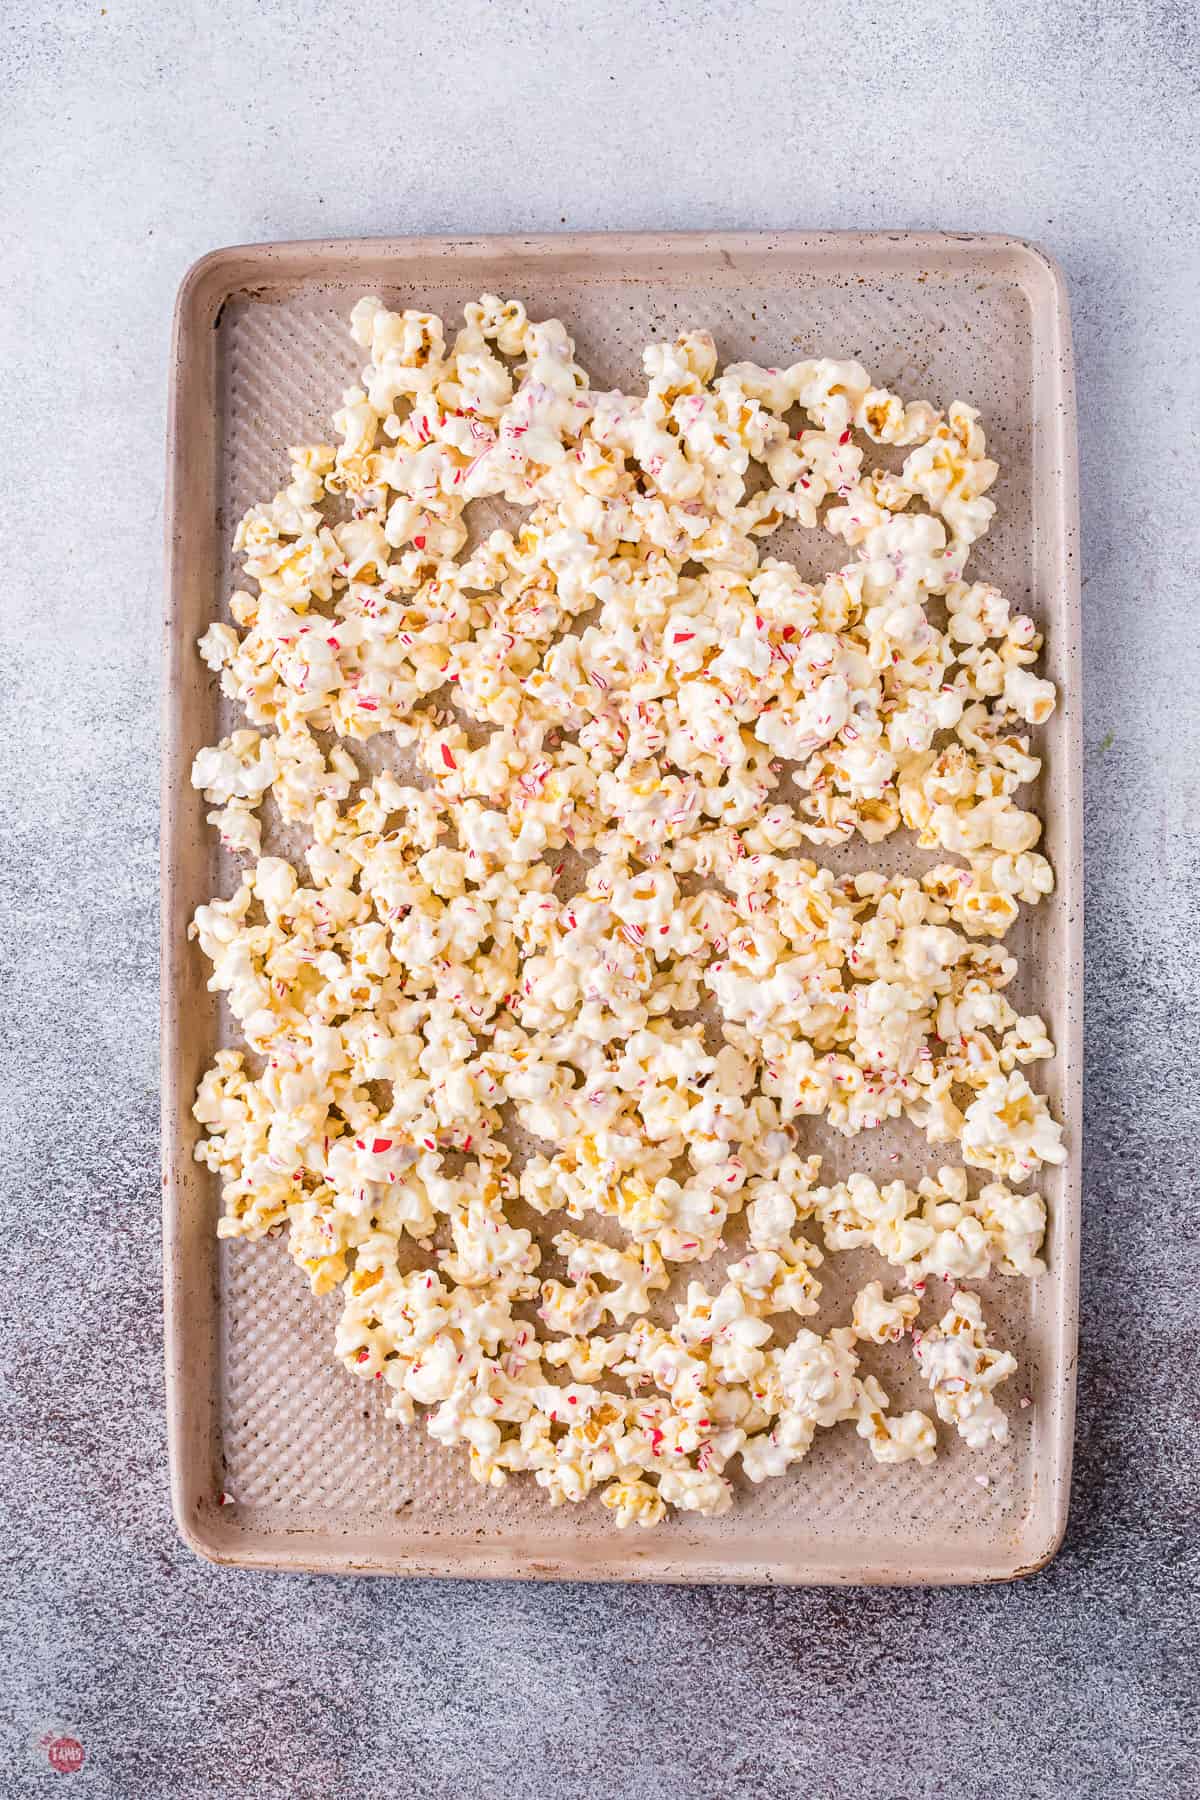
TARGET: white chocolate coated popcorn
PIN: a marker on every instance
(582, 914)
(962, 1368)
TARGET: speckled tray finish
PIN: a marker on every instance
(259, 1410)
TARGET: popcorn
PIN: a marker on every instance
(239, 767)
(626, 727)
(1029, 697)
(909, 1437)
(634, 1502)
(880, 1321)
(935, 1230)
(1009, 1129)
(961, 1369)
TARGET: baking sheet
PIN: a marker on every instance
(279, 1457)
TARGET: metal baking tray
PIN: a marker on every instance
(279, 1458)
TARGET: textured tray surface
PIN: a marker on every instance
(262, 1412)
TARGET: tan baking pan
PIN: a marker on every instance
(279, 1459)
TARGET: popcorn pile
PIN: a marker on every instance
(586, 920)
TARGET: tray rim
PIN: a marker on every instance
(222, 274)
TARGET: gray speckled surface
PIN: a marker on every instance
(134, 137)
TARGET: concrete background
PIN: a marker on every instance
(132, 138)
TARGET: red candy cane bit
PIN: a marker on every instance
(447, 758)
